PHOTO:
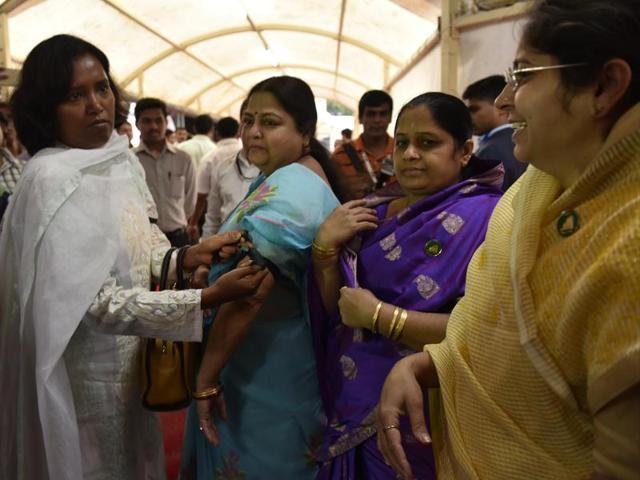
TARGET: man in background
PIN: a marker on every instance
(224, 178)
(170, 174)
(200, 144)
(10, 169)
(365, 163)
(181, 134)
(125, 128)
(492, 126)
(11, 141)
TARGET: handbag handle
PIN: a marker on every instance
(164, 271)
(181, 284)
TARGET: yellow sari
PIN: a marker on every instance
(549, 330)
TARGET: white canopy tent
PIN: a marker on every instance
(204, 55)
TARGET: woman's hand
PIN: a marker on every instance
(200, 278)
(344, 222)
(356, 307)
(207, 409)
(402, 394)
(236, 284)
(221, 246)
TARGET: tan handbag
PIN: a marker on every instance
(168, 367)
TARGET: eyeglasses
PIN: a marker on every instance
(514, 77)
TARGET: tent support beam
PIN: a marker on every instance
(449, 48)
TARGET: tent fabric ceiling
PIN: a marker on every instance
(204, 55)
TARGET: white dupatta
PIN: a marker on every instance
(58, 245)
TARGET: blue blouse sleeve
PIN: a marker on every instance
(282, 215)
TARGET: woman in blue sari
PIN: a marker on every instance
(401, 256)
(267, 421)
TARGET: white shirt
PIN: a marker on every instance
(197, 147)
(225, 176)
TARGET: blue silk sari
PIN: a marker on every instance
(271, 387)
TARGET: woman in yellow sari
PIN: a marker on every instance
(539, 373)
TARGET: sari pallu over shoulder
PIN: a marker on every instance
(416, 260)
(270, 384)
(40, 308)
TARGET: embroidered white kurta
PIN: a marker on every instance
(78, 256)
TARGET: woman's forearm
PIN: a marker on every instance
(419, 328)
(328, 279)
(227, 332)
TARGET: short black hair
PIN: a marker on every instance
(347, 132)
(487, 88)
(44, 83)
(203, 124)
(227, 127)
(147, 104)
(374, 98)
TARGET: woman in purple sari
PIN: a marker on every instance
(401, 257)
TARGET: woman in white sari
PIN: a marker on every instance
(79, 248)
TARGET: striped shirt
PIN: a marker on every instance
(10, 170)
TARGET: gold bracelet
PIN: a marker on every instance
(323, 251)
(208, 392)
(374, 319)
(392, 325)
(400, 327)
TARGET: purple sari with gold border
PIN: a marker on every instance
(394, 264)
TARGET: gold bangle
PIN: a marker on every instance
(400, 327)
(374, 319)
(323, 250)
(392, 325)
(208, 392)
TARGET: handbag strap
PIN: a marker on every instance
(164, 271)
(181, 284)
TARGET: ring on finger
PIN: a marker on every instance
(391, 426)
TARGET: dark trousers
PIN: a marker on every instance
(178, 238)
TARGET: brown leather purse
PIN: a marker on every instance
(168, 367)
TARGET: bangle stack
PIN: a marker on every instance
(321, 251)
(397, 326)
(208, 392)
(400, 326)
(374, 319)
(392, 325)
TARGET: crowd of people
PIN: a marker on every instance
(410, 306)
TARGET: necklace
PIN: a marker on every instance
(239, 168)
